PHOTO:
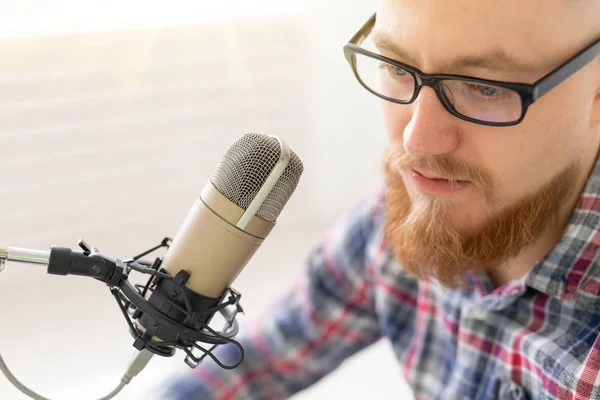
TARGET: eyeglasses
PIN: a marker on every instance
(482, 101)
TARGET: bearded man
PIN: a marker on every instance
(478, 261)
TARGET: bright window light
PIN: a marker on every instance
(39, 17)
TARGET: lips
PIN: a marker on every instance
(435, 177)
(436, 185)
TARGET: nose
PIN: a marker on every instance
(431, 130)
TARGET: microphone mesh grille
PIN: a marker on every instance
(244, 168)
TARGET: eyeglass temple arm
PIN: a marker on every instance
(364, 31)
(563, 72)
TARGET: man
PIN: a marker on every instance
(479, 259)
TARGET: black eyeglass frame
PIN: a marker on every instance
(529, 93)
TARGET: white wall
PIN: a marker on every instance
(108, 133)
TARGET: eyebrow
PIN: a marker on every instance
(494, 60)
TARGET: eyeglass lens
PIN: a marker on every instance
(474, 100)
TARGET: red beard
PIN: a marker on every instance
(429, 246)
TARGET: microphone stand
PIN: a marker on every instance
(162, 308)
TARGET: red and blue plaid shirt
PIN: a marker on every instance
(536, 337)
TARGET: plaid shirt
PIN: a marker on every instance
(536, 337)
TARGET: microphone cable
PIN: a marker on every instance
(138, 362)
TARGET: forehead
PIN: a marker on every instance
(532, 31)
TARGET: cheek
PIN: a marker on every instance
(522, 159)
(559, 123)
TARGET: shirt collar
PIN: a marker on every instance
(571, 268)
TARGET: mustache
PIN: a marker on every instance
(397, 160)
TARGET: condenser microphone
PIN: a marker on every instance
(236, 210)
(234, 213)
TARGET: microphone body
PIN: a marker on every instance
(235, 212)
(210, 247)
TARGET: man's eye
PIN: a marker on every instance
(487, 91)
(398, 71)
(391, 69)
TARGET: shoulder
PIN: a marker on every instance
(357, 228)
(344, 248)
